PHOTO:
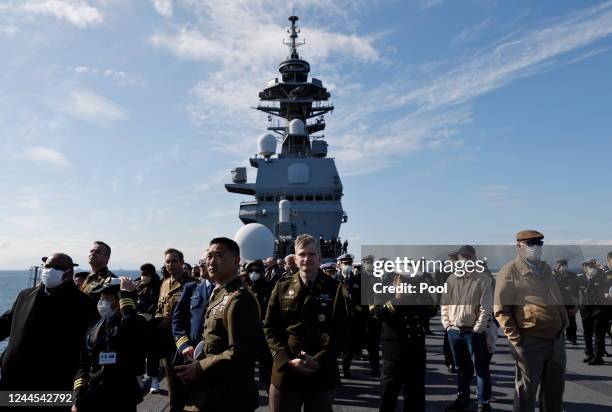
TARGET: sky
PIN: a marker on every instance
(455, 121)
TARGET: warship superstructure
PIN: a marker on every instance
(297, 190)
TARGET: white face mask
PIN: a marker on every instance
(105, 308)
(347, 270)
(591, 272)
(532, 253)
(254, 276)
(51, 278)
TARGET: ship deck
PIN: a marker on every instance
(587, 388)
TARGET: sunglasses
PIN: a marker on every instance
(534, 242)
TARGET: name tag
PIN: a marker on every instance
(107, 358)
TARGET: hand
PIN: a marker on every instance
(299, 365)
(126, 284)
(310, 362)
(188, 352)
(73, 409)
(189, 372)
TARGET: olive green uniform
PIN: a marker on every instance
(232, 325)
(310, 319)
(96, 279)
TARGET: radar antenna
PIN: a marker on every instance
(293, 35)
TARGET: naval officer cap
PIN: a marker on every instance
(589, 262)
(368, 258)
(110, 285)
(561, 261)
(328, 266)
(528, 234)
(347, 257)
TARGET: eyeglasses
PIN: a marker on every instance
(534, 242)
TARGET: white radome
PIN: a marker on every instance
(256, 241)
(296, 127)
(266, 145)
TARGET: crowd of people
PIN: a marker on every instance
(213, 325)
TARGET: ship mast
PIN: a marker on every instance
(295, 98)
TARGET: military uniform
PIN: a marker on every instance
(357, 319)
(310, 319)
(403, 350)
(593, 311)
(95, 280)
(226, 381)
(568, 284)
(169, 295)
(106, 379)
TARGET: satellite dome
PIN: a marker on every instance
(296, 127)
(256, 241)
(266, 145)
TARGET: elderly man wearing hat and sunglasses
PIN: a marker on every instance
(530, 309)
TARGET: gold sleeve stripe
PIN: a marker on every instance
(181, 341)
(126, 302)
(80, 382)
(390, 307)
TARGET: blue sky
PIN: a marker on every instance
(455, 122)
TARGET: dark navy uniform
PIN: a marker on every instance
(403, 350)
(106, 380)
(357, 319)
(594, 314)
(568, 284)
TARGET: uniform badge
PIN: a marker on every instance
(291, 292)
(322, 317)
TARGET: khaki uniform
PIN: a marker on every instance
(232, 327)
(313, 320)
(169, 294)
(530, 310)
(96, 279)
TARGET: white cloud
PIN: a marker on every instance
(76, 12)
(88, 106)
(423, 109)
(432, 106)
(9, 30)
(45, 154)
(469, 34)
(164, 7)
(119, 76)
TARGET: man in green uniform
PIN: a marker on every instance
(223, 377)
(306, 327)
(169, 294)
(99, 255)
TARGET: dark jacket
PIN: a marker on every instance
(592, 293)
(313, 321)
(147, 296)
(188, 317)
(403, 320)
(227, 369)
(101, 386)
(45, 332)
